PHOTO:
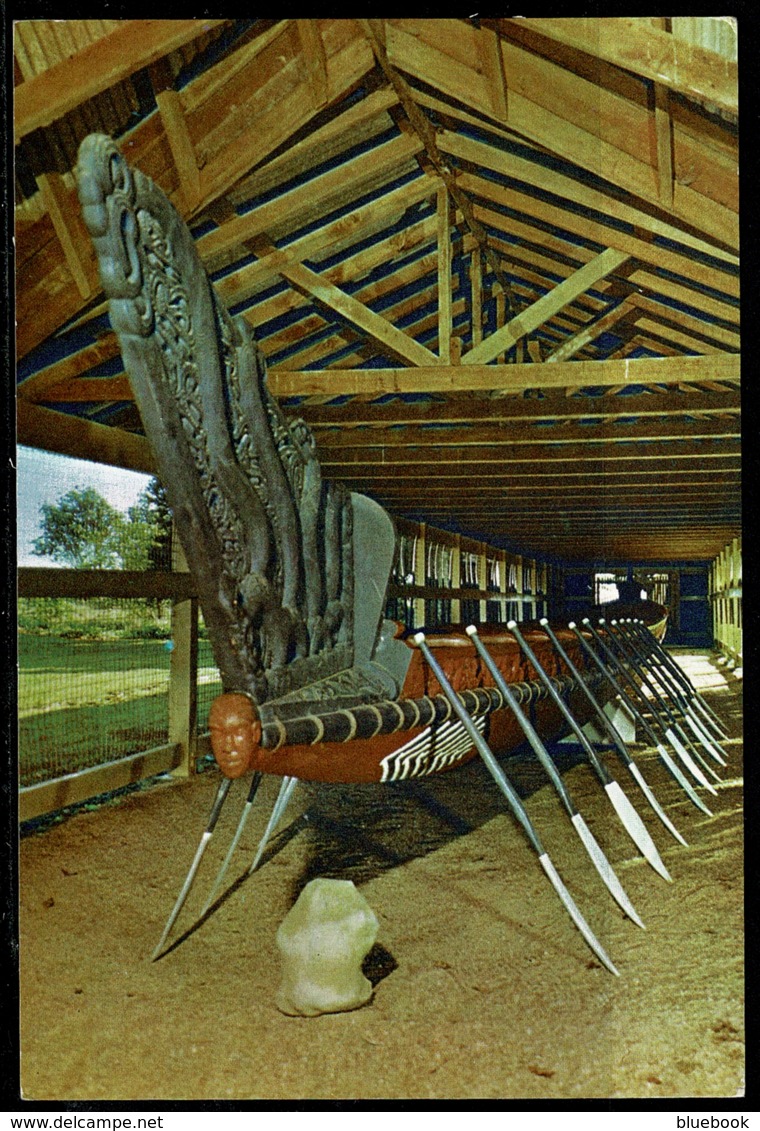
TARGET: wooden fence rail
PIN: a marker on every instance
(521, 581)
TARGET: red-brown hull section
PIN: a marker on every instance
(418, 752)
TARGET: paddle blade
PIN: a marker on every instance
(682, 780)
(636, 829)
(605, 869)
(639, 778)
(575, 914)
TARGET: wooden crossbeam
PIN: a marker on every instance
(465, 409)
(674, 452)
(460, 378)
(70, 435)
(541, 311)
(388, 337)
(520, 433)
(587, 469)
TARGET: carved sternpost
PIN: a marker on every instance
(271, 546)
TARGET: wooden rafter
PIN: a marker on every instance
(654, 54)
(130, 47)
(388, 337)
(307, 155)
(541, 311)
(540, 90)
(375, 32)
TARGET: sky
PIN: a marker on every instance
(42, 477)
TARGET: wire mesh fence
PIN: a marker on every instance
(94, 682)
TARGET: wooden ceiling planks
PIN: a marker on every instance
(436, 195)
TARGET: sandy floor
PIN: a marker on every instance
(484, 988)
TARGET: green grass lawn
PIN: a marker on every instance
(84, 702)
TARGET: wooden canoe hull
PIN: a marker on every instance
(418, 751)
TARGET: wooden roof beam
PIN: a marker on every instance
(545, 179)
(591, 332)
(240, 285)
(519, 433)
(633, 43)
(421, 48)
(72, 436)
(374, 30)
(133, 45)
(306, 202)
(541, 311)
(514, 378)
(536, 452)
(390, 340)
(465, 409)
(656, 255)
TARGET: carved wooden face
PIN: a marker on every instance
(235, 733)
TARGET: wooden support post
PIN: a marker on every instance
(476, 291)
(69, 229)
(519, 583)
(444, 276)
(503, 579)
(482, 580)
(664, 133)
(456, 579)
(183, 673)
(420, 558)
(177, 134)
(501, 314)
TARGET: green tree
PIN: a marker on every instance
(152, 509)
(81, 530)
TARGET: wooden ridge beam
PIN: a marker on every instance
(135, 44)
